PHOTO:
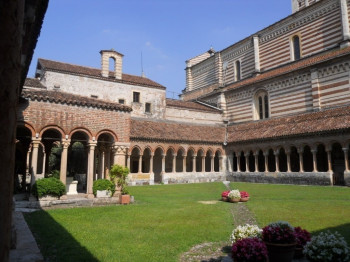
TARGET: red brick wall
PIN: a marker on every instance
(68, 117)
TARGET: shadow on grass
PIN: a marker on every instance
(54, 241)
(343, 230)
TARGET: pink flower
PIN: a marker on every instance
(244, 194)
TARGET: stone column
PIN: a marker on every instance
(301, 160)
(28, 159)
(239, 162)
(35, 146)
(246, 155)
(151, 163)
(174, 163)
(90, 175)
(203, 163)
(256, 158)
(193, 163)
(256, 53)
(108, 162)
(288, 161)
(140, 164)
(44, 160)
(277, 153)
(266, 157)
(163, 163)
(184, 164)
(346, 158)
(189, 81)
(102, 163)
(345, 23)
(120, 154)
(212, 163)
(128, 162)
(314, 159)
(64, 155)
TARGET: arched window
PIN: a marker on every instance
(238, 70)
(261, 104)
(296, 47)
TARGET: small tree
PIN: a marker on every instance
(118, 175)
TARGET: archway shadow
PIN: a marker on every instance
(54, 241)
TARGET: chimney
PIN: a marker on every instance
(117, 60)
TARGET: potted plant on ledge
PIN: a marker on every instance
(118, 175)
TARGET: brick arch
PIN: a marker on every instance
(210, 151)
(193, 149)
(172, 149)
(133, 147)
(201, 150)
(221, 152)
(27, 125)
(54, 127)
(183, 150)
(147, 148)
(161, 148)
(107, 131)
(81, 129)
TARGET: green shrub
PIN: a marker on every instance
(54, 173)
(103, 184)
(48, 186)
(119, 174)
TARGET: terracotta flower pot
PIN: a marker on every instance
(234, 200)
(224, 199)
(280, 252)
(244, 199)
(124, 199)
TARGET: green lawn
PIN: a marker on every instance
(167, 220)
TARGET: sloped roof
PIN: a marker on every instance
(61, 97)
(33, 82)
(172, 131)
(190, 105)
(329, 120)
(95, 72)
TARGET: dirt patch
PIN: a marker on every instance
(207, 252)
(212, 202)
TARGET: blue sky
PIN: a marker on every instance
(167, 32)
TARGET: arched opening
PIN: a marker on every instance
(282, 158)
(22, 159)
(322, 159)
(271, 161)
(169, 161)
(179, 161)
(296, 47)
(51, 139)
(338, 164)
(189, 161)
(134, 160)
(294, 159)
(78, 159)
(157, 165)
(199, 161)
(261, 161)
(208, 161)
(217, 161)
(234, 164)
(146, 160)
(307, 159)
(251, 162)
(238, 70)
(242, 164)
(111, 64)
(105, 142)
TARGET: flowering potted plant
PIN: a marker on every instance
(245, 231)
(244, 196)
(224, 195)
(280, 241)
(327, 247)
(234, 195)
(249, 250)
(302, 237)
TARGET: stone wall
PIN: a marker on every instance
(295, 178)
(193, 177)
(193, 116)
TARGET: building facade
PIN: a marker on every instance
(273, 107)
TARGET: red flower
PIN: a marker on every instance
(302, 236)
(244, 194)
(225, 193)
(249, 250)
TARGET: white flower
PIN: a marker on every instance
(245, 231)
(234, 194)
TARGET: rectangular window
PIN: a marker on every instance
(148, 107)
(266, 102)
(261, 114)
(136, 97)
(121, 101)
(238, 70)
(94, 96)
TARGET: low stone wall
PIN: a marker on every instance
(192, 177)
(295, 178)
(347, 178)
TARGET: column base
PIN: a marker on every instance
(64, 197)
(90, 196)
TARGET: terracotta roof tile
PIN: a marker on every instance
(33, 82)
(61, 97)
(190, 105)
(171, 131)
(95, 72)
(329, 120)
(303, 63)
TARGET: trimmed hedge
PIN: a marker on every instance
(103, 184)
(48, 186)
